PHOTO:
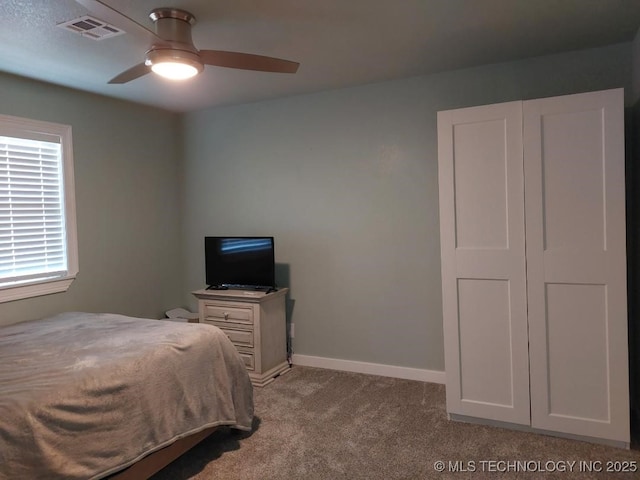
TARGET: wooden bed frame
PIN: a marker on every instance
(156, 461)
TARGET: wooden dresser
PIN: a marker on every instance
(255, 322)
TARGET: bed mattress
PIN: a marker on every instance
(85, 395)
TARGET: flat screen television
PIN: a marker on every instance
(240, 262)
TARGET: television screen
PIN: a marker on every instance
(240, 262)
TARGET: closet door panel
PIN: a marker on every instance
(574, 317)
(485, 353)
(573, 180)
(481, 206)
(576, 272)
(483, 267)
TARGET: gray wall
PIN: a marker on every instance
(127, 200)
(346, 180)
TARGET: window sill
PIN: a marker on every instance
(9, 294)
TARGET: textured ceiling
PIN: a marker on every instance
(337, 42)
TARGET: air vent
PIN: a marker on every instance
(91, 27)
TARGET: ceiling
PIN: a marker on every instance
(337, 42)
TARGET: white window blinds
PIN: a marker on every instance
(38, 238)
(32, 222)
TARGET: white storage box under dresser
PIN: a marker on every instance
(255, 322)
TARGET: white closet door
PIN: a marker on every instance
(575, 223)
(483, 262)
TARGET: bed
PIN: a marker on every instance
(89, 396)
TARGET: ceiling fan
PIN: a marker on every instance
(172, 53)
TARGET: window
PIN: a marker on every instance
(38, 246)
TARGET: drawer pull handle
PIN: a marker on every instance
(226, 315)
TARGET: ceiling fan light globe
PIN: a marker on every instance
(174, 70)
(174, 64)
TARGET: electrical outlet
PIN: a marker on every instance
(292, 332)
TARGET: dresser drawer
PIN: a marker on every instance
(248, 359)
(241, 338)
(226, 313)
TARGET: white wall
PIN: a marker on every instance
(346, 180)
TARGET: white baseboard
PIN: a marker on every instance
(407, 373)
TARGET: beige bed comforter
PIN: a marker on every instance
(85, 395)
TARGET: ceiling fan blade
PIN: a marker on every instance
(114, 17)
(131, 74)
(247, 61)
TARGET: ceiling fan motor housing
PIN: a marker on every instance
(174, 26)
